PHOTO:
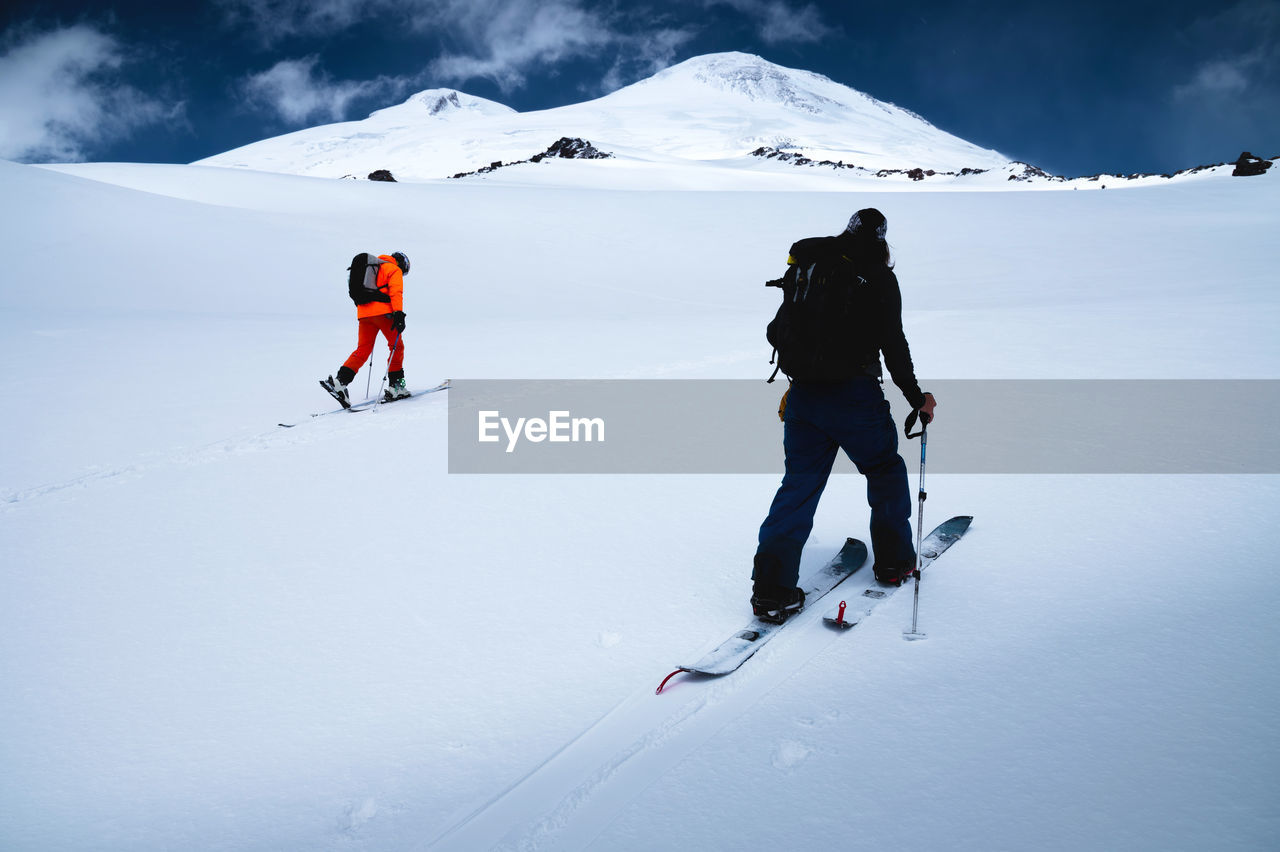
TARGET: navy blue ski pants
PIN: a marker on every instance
(820, 419)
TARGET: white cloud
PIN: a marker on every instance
(506, 38)
(1216, 79)
(295, 91)
(1244, 42)
(273, 20)
(499, 40)
(779, 22)
(645, 55)
(61, 96)
(503, 40)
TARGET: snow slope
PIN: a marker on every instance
(709, 108)
(219, 634)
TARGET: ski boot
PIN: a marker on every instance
(775, 604)
(396, 389)
(894, 575)
(337, 386)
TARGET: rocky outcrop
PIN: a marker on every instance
(1248, 165)
(1029, 171)
(571, 149)
(443, 103)
(383, 175)
(797, 159)
(564, 148)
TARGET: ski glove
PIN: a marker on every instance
(397, 320)
(925, 415)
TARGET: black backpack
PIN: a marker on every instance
(824, 329)
(362, 279)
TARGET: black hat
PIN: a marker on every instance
(866, 222)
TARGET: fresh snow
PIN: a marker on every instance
(219, 634)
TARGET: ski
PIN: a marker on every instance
(738, 648)
(322, 414)
(368, 404)
(858, 603)
(388, 399)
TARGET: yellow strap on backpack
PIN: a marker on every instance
(782, 405)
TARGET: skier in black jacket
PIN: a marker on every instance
(835, 402)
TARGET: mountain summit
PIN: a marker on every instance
(728, 104)
(445, 104)
(754, 78)
(709, 110)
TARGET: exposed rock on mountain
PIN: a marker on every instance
(572, 149)
(564, 148)
(1248, 165)
(914, 174)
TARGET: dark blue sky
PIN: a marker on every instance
(1076, 88)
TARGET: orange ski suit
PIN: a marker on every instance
(375, 317)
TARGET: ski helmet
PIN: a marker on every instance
(402, 261)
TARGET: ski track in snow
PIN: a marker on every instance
(304, 431)
(570, 798)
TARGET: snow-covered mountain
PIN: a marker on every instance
(704, 111)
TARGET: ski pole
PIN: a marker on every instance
(914, 633)
(368, 383)
(394, 347)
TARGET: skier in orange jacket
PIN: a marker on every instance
(386, 317)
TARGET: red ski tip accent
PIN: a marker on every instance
(658, 691)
